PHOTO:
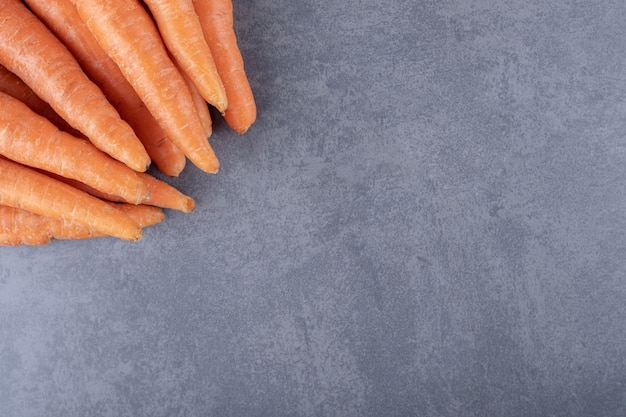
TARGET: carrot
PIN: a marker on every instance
(181, 31)
(23, 227)
(33, 53)
(141, 214)
(162, 150)
(36, 238)
(201, 107)
(63, 20)
(19, 227)
(124, 29)
(161, 194)
(23, 187)
(33, 140)
(12, 85)
(216, 19)
(166, 196)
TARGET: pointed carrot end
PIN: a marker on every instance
(206, 160)
(188, 205)
(137, 236)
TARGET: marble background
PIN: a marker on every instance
(427, 219)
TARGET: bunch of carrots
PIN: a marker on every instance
(92, 92)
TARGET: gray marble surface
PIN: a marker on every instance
(427, 219)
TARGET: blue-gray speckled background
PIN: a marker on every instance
(427, 219)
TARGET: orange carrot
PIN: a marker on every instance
(12, 85)
(144, 216)
(201, 107)
(33, 140)
(216, 19)
(63, 20)
(33, 53)
(181, 31)
(36, 238)
(161, 194)
(141, 214)
(125, 30)
(166, 196)
(25, 188)
(21, 227)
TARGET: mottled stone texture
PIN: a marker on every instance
(428, 219)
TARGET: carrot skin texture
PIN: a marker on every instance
(33, 140)
(12, 85)
(23, 187)
(201, 107)
(166, 196)
(21, 227)
(38, 238)
(34, 54)
(162, 194)
(62, 18)
(141, 214)
(140, 54)
(216, 19)
(182, 33)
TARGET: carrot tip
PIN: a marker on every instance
(209, 165)
(241, 129)
(189, 205)
(137, 166)
(174, 169)
(138, 235)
